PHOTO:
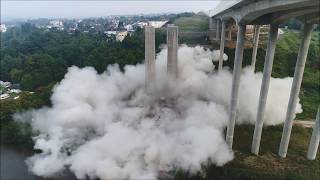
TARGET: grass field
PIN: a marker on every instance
(268, 165)
(197, 22)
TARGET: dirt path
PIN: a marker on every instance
(306, 124)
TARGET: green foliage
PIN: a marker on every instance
(19, 133)
(35, 58)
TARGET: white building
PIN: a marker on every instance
(56, 24)
(129, 27)
(4, 96)
(121, 35)
(5, 84)
(110, 33)
(17, 91)
(3, 28)
(142, 24)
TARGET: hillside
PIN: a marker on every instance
(197, 22)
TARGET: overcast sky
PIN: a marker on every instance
(74, 9)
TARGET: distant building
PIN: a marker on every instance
(121, 35)
(110, 32)
(7, 90)
(3, 28)
(17, 91)
(157, 24)
(5, 84)
(4, 96)
(129, 27)
(141, 24)
(56, 24)
(115, 23)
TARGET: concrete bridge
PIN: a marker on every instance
(245, 13)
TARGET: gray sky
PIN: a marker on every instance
(70, 9)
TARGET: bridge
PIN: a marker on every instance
(244, 13)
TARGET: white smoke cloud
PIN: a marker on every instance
(106, 126)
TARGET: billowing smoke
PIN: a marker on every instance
(105, 125)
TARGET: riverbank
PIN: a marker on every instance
(14, 167)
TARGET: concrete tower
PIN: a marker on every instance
(150, 57)
(172, 59)
(315, 139)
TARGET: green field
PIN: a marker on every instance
(268, 165)
(197, 22)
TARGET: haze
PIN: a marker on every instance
(77, 9)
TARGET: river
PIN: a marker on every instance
(13, 166)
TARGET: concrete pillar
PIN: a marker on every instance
(255, 46)
(295, 89)
(217, 30)
(273, 33)
(315, 138)
(211, 29)
(211, 23)
(150, 57)
(229, 34)
(172, 59)
(235, 84)
(223, 36)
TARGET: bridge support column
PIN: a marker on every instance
(217, 31)
(172, 58)
(315, 138)
(211, 30)
(229, 34)
(235, 84)
(273, 33)
(255, 46)
(149, 57)
(223, 36)
(295, 89)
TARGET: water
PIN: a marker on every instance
(13, 166)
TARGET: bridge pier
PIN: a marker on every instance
(172, 58)
(149, 58)
(229, 34)
(255, 46)
(273, 33)
(315, 138)
(223, 36)
(235, 84)
(211, 29)
(295, 89)
(217, 32)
